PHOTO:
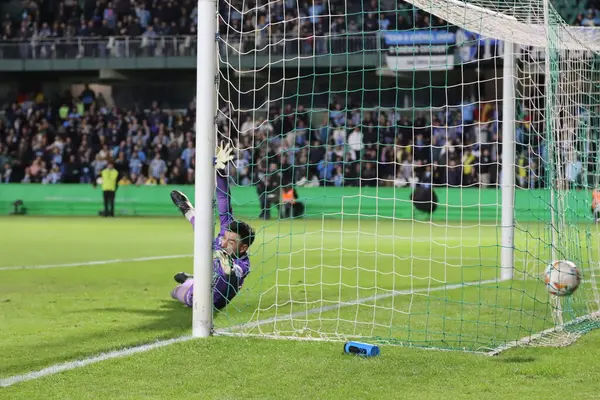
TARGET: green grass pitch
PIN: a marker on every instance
(377, 279)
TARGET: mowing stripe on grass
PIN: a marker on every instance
(55, 369)
(92, 263)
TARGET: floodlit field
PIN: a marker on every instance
(97, 285)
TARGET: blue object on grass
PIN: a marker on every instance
(361, 349)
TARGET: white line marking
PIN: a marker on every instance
(55, 369)
(528, 339)
(153, 258)
(92, 263)
(250, 325)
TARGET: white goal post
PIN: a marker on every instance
(508, 161)
(206, 107)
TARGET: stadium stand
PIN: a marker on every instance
(70, 141)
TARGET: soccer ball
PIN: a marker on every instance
(562, 278)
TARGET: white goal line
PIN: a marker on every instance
(531, 338)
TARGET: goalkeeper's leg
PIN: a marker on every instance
(225, 289)
(184, 292)
(184, 205)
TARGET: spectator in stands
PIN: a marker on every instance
(591, 18)
(384, 22)
(469, 171)
(158, 168)
(338, 177)
(267, 189)
(453, 174)
(485, 166)
(188, 154)
(355, 143)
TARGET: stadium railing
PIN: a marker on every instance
(181, 46)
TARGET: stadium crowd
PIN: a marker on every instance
(592, 16)
(127, 28)
(69, 18)
(130, 28)
(72, 141)
(346, 145)
(150, 18)
(357, 147)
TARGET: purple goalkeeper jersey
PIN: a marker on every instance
(226, 286)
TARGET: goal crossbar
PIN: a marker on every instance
(526, 27)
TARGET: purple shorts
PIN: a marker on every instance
(184, 292)
(223, 293)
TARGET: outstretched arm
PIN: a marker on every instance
(222, 158)
(224, 199)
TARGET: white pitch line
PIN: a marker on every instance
(55, 369)
(153, 258)
(92, 263)
(363, 300)
(531, 338)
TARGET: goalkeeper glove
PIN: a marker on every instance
(223, 156)
(222, 258)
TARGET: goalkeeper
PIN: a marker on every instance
(231, 264)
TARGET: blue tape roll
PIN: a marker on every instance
(361, 349)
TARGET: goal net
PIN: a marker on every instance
(410, 169)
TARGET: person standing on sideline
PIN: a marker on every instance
(110, 178)
(290, 206)
(596, 204)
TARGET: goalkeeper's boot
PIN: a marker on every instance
(181, 201)
(181, 277)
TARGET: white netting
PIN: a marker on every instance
(358, 119)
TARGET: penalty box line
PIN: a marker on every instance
(175, 256)
(93, 263)
(71, 365)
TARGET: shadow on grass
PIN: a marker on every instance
(169, 320)
(168, 315)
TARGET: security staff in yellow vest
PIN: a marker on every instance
(110, 178)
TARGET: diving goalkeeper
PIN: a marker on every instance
(231, 264)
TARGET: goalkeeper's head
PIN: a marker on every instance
(237, 238)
